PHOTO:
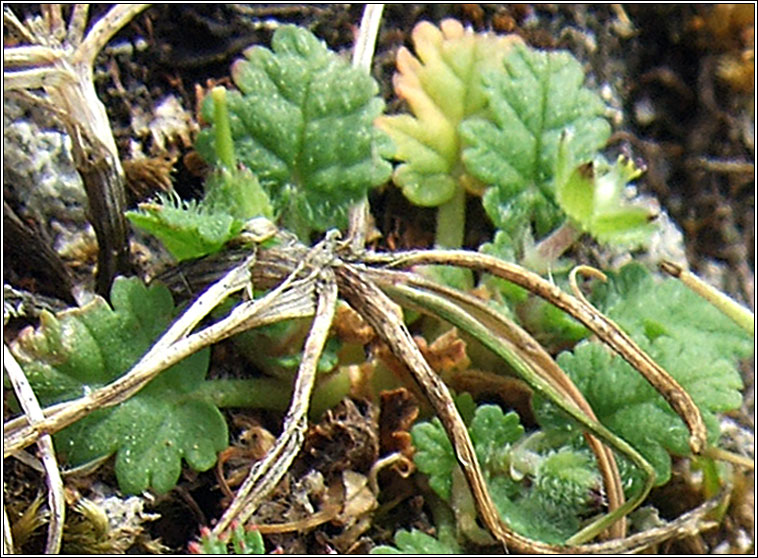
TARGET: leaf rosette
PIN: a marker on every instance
(541, 491)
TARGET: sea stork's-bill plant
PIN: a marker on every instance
(302, 123)
(297, 144)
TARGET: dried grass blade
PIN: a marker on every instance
(676, 396)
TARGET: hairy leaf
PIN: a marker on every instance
(542, 492)
(86, 348)
(693, 342)
(441, 89)
(532, 102)
(232, 196)
(186, 229)
(302, 123)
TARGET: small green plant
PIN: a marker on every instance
(691, 339)
(442, 89)
(416, 542)
(244, 540)
(541, 488)
(296, 144)
(302, 123)
(491, 113)
(232, 196)
(493, 116)
(549, 472)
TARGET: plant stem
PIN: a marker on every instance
(451, 229)
(252, 393)
(223, 131)
(451, 220)
(548, 250)
(274, 394)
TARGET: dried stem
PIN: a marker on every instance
(33, 412)
(284, 266)
(602, 326)
(266, 473)
(728, 306)
(362, 55)
(65, 72)
(290, 300)
(528, 357)
(385, 317)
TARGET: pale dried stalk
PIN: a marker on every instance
(10, 19)
(266, 473)
(102, 31)
(7, 534)
(541, 363)
(64, 69)
(362, 56)
(384, 316)
(77, 24)
(599, 324)
(740, 315)
(30, 405)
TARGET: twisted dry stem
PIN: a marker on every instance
(60, 62)
(599, 324)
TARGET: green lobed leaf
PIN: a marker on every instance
(691, 340)
(302, 123)
(86, 348)
(416, 542)
(643, 305)
(434, 456)
(533, 100)
(186, 229)
(492, 432)
(441, 89)
(591, 195)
